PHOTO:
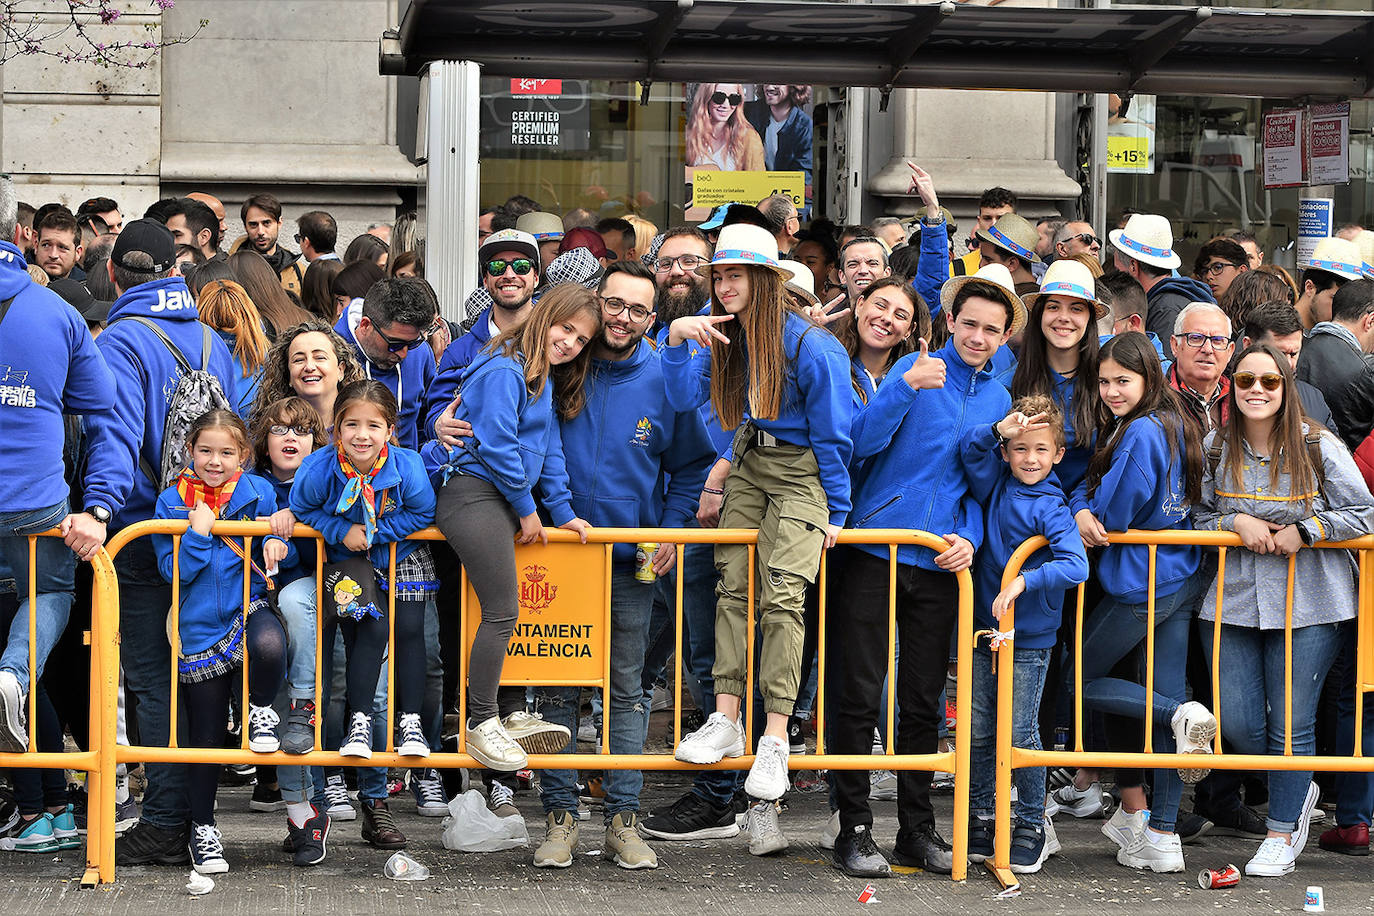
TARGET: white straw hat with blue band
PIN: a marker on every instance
(1012, 233)
(1069, 277)
(1147, 238)
(1337, 256)
(745, 244)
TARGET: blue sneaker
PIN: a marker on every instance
(30, 836)
(64, 829)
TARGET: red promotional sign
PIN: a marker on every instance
(528, 86)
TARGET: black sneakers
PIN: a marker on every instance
(926, 850)
(146, 844)
(857, 855)
(308, 841)
(692, 817)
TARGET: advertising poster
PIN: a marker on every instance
(1283, 153)
(1131, 135)
(536, 115)
(1315, 222)
(1328, 149)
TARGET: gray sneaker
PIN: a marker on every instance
(298, 732)
(765, 836)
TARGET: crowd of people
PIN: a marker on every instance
(742, 373)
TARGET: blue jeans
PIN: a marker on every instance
(1354, 791)
(55, 565)
(144, 599)
(1028, 682)
(1114, 630)
(1250, 707)
(628, 722)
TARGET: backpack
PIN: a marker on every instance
(197, 392)
(1314, 455)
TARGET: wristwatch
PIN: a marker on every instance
(99, 513)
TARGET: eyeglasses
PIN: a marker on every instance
(497, 266)
(613, 306)
(720, 98)
(1212, 270)
(1197, 340)
(1087, 238)
(1246, 380)
(302, 431)
(396, 346)
(687, 262)
(297, 237)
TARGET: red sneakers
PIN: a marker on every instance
(1348, 841)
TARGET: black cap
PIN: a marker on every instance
(150, 237)
(80, 298)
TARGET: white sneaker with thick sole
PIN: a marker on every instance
(1158, 852)
(1122, 828)
(882, 785)
(14, 735)
(767, 777)
(831, 831)
(534, 735)
(717, 739)
(490, 746)
(1194, 728)
(765, 836)
(1075, 801)
(1274, 858)
(1052, 845)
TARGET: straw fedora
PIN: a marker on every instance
(753, 246)
(1147, 238)
(1068, 277)
(1365, 240)
(544, 226)
(803, 282)
(1012, 233)
(1000, 278)
(1337, 256)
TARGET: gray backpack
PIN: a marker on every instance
(197, 392)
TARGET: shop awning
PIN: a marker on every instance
(1160, 49)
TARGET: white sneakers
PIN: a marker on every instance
(1158, 852)
(1122, 828)
(717, 739)
(490, 746)
(1277, 856)
(765, 835)
(767, 779)
(882, 785)
(1075, 801)
(1194, 728)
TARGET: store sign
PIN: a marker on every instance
(1316, 217)
(711, 188)
(1307, 146)
(1329, 144)
(1131, 135)
(1283, 158)
(561, 633)
(541, 114)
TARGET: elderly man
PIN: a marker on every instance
(1074, 238)
(1202, 348)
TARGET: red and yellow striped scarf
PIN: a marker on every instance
(193, 490)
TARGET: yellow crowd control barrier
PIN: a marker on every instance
(566, 582)
(1010, 757)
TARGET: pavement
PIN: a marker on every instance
(715, 877)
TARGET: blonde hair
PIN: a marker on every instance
(224, 305)
(738, 128)
(37, 274)
(644, 232)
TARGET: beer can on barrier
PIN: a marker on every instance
(644, 562)
(1213, 878)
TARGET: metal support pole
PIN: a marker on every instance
(452, 199)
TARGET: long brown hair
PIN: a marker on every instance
(292, 411)
(737, 127)
(751, 371)
(224, 305)
(1033, 371)
(1134, 353)
(1287, 445)
(276, 372)
(264, 288)
(530, 339)
(847, 329)
(219, 418)
(366, 391)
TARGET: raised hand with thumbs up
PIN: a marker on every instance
(927, 371)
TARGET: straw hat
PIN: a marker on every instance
(746, 244)
(802, 282)
(1365, 240)
(1012, 233)
(544, 226)
(1337, 256)
(1147, 238)
(1000, 278)
(1068, 277)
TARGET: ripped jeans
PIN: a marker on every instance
(628, 721)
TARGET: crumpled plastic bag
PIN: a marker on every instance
(472, 827)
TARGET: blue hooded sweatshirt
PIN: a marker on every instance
(515, 438)
(1014, 512)
(211, 572)
(1071, 471)
(49, 365)
(1144, 488)
(406, 503)
(456, 359)
(408, 381)
(301, 562)
(633, 461)
(1165, 300)
(146, 376)
(909, 438)
(817, 399)
(245, 390)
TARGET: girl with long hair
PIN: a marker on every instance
(224, 305)
(718, 133)
(889, 317)
(263, 286)
(1281, 482)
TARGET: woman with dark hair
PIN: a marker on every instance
(405, 264)
(316, 294)
(889, 318)
(309, 361)
(1312, 491)
(263, 285)
(1249, 290)
(367, 247)
(217, 269)
(352, 283)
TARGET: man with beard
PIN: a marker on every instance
(633, 461)
(261, 215)
(681, 290)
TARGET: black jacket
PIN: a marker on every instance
(1165, 300)
(1344, 375)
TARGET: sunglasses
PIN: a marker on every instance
(720, 98)
(1087, 238)
(396, 346)
(496, 267)
(301, 431)
(1246, 380)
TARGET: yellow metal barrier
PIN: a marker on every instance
(106, 610)
(1010, 758)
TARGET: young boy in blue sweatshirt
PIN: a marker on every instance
(909, 433)
(1009, 464)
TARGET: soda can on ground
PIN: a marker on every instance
(644, 562)
(1214, 878)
